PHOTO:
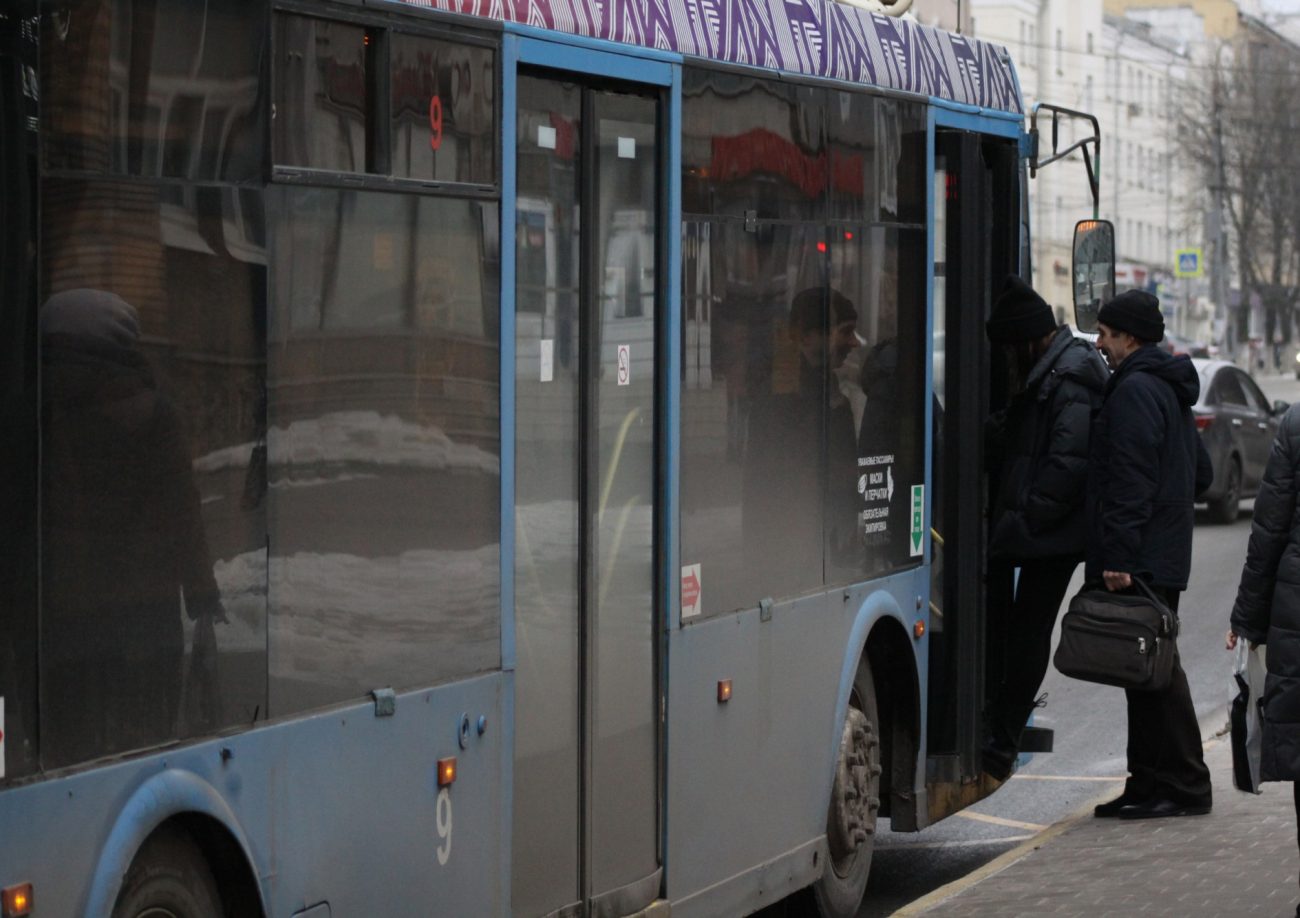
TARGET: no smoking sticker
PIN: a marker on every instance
(624, 364)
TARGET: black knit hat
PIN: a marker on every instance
(1136, 312)
(1019, 314)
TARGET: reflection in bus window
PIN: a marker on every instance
(384, 444)
(174, 89)
(804, 338)
(153, 534)
(443, 110)
(320, 94)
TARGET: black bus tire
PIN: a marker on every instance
(169, 878)
(855, 801)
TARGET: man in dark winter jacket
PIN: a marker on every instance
(1038, 525)
(1147, 466)
(1267, 610)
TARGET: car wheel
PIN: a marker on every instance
(169, 878)
(1224, 510)
(855, 801)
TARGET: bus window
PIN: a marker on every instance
(144, 67)
(442, 110)
(752, 147)
(878, 382)
(384, 444)
(153, 527)
(321, 94)
(803, 419)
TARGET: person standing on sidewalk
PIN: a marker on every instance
(1267, 610)
(1146, 467)
(1041, 443)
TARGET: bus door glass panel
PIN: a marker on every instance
(587, 251)
(548, 552)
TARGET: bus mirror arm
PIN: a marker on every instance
(1091, 158)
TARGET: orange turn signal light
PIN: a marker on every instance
(724, 690)
(918, 630)
(446, 771)
(16, 901)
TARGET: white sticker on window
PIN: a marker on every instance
(548, 359)
(627, 148)
(546, 137)
(624, 364)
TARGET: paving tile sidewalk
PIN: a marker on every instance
(1241, 859)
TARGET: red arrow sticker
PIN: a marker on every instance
(691, 590)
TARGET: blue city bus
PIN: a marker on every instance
(477, 458)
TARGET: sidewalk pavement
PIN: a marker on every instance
(1241, 859)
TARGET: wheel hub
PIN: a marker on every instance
(853, 796)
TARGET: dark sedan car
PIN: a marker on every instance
(1237, 425)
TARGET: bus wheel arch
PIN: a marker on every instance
(898, 697)
(170, 875)
(171, 819)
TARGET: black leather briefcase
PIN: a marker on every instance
(1122, 639)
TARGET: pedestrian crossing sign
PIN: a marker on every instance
(1189, 263)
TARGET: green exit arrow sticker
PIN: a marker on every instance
(918, 517)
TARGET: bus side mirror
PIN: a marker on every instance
(1093, 270)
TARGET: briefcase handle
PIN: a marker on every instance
(1171, 620)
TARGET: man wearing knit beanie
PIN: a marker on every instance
(1039, 454)
(1147, 466)
(1136, 312)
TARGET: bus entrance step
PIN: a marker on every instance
(1036, 739)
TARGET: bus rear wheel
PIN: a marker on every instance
(169, 878)
(855, 801)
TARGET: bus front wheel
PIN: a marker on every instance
(855, 801)
(169, 878)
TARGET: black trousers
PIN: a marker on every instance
(1165, 759)
(1026, 634)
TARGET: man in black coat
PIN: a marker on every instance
(1040, 442)
(1267, 610)
(1147, 466)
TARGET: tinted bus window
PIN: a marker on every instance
(321, 94)
(872, 175)
(443, 110)
(877, 362)
(155, 87)
(804, 339)
(153, 617)
(384, 443)
(753, 410)
(752, 147)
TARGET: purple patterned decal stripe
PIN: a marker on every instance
(813, 37)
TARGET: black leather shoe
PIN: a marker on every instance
(1158, 809)
(1111, 808)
